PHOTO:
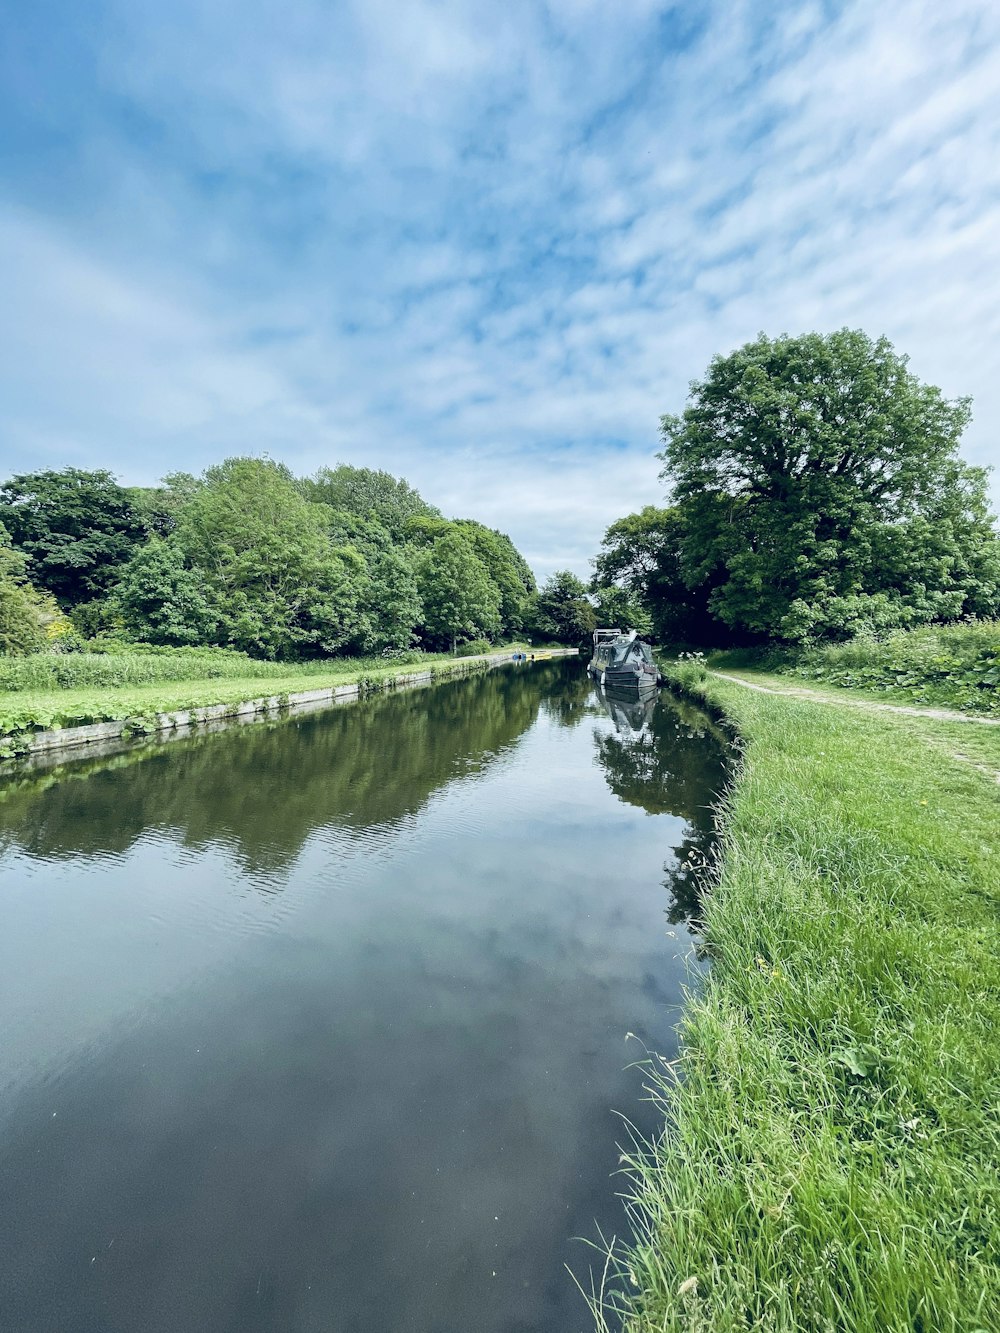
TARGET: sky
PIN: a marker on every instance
(483, 246)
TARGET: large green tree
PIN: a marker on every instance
(158, 599)
(390, 604)
(821, 491)
(275, 583)
(562, 610)
(75, 527)
(460, 600)
(506, 567)
(389, 500)
(642, 555)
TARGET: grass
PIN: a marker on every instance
(833, 1132)
(49, 690)
(137, 664)
(952, 666)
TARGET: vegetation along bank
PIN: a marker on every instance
(832, 1126)
(834, 1118)
(347, 563)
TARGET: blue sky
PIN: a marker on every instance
(481, 245)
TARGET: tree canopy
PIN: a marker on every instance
(24, 612)
(276, 585)
(248, 556)
(460, 600)
(388, 500)
(816, 490)
(562, 610)
(821, 490)
(74, 527)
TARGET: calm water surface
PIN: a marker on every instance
(320, 1025)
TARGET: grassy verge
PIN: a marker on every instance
(23, 711)
(830, 1161)
(948, 666)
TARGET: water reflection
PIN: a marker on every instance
(370, 764)
(664, 756)
(379, 1095)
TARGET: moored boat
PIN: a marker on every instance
(623, 661)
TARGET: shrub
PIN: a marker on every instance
(952, 664)
(473, 648)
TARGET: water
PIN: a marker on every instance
(321, 1024)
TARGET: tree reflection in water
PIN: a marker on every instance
(262, 789)
(667, 757)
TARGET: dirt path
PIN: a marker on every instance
(866, 705)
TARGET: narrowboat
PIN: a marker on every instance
(622, 661)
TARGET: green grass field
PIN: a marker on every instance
(833, 1123)
(115, 687)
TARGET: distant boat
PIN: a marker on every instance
(623, 661)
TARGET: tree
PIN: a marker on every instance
(642, 555)
(158, 507)
(369, 494)
(460, 600)
(506, 567)
(159, 600)
(76, 528)
(391, 608)
(799, 463)
(276, 585)
(23, 611)
(614, 607)
(562, 610)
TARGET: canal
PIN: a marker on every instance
(320, 1024)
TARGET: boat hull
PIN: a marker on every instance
(627, 680)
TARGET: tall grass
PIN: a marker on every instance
(833, 1122)
(957, 665)
(140, 665)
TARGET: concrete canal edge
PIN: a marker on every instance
(60, 738)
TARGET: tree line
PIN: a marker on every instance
(247, 556)
(815, 493)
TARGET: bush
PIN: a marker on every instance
(950, 664)
(473, 648)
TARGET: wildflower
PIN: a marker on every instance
(688, 1287)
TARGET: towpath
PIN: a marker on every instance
(845, 700)
(984, 754)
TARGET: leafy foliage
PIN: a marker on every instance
(506, 567)
(460, 599)
(562, 610)
(642, 554)
(22, 610)
(955, 665)
(274, 582)
(248, 557)
(390, 605)
(821, 492)
(159, 600)
(75, 528)
(615, 607)
(389, 501)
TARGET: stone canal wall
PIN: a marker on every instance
(59, 738)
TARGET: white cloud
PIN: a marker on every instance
(486, 247)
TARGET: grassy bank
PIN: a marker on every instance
(949, 666)
(40, 692)
(830, 1158)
